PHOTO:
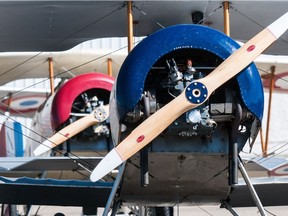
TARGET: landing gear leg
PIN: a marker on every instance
(226, 205)
(114, 190)
(251, 188)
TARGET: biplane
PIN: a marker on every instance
(187, 98)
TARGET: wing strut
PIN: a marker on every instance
(271, 89)
(226, 7)
(109, 67)
(51, 75)
(130, 25)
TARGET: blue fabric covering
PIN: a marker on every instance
(55, 182)
(132, 75)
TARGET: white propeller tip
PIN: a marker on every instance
(278, 27)
(42, 148)
(106, 165)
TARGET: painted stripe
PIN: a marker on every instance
(18, 139)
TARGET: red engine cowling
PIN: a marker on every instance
(74, 95)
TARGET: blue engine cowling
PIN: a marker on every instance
(132, 79)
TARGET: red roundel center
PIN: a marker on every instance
(140, 138)
(250, 48)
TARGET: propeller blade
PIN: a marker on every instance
(100, 114)
(194, 95)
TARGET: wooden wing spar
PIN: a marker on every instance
(194, 95)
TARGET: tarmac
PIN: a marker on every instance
(178, 211)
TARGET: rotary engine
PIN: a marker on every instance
(164, 83)
(84, 104)
(196, 121)
(160, 67)
(78, 97)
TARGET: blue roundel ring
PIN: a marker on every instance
(132, 75)
(196, 92)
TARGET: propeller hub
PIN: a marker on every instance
(196, 92)
(100, 114)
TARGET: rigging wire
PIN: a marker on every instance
(83, 163)
(275, 75)
(250, 19)
(113, 51)
(262, 27)
(23, 114)
(213, 176)
(269, 212)
(259, 69)
(218, 173)
(262, 160)
(82, 29)
(45, 138)
(266, 73)
(91, 167)
(76, 157)
(145, 14)
(61, 73)
(67, 37)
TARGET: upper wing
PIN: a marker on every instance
(65, 64)
(60, 25)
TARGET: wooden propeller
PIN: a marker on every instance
(194, 95)
(100, 114)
